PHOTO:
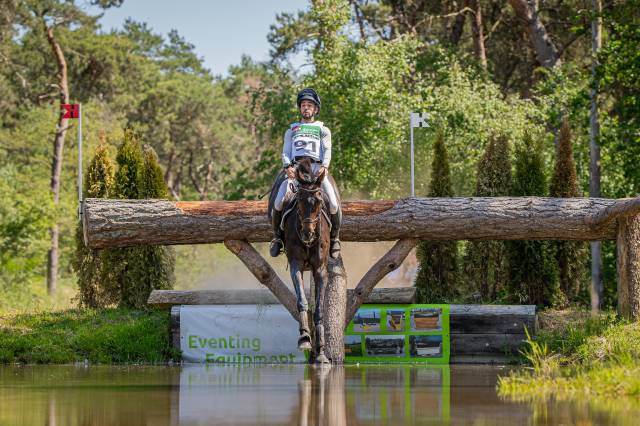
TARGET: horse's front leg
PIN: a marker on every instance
(320, 278)
(304, 341)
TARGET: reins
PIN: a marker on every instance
(301, 221)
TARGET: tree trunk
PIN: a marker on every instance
(628, 265)
(458, 27)
(546, 52)
(597, 287)
(477, 31)
(120, 223)
(56, 163)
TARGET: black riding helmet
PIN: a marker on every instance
(308, 94)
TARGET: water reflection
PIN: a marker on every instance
(275, 395)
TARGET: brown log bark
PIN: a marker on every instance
(334, 312)
(264, 273)
(628, 265)
(387, 263)
(546, 51)
(163, 299)
(119, 223)
(58, 146)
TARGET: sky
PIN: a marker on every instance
(222, 31)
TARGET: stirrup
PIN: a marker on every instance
(334, 250)
(276, 247)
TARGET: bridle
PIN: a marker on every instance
(302, 221)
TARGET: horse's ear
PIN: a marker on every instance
(321, 176)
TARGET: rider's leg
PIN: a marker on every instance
(277, 242)
(336, 217)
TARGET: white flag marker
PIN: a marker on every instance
(416, 119)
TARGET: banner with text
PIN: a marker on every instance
(239, 334)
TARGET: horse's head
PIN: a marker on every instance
(310, 201)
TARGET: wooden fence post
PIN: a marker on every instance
(628, 265)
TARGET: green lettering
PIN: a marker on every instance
(255, 344)
(259, 358)
(213, 343)
(292, 357)
(222, 343)
(284, 361)
(192, 343)
(203, 342)
(209, 357)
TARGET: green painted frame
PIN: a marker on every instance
(406, 333)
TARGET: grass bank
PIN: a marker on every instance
(579, 357)
(79, 335)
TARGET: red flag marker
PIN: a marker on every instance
(71, 110)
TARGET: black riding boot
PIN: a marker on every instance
(277, 245)
(336, 221)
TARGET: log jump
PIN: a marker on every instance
(117, 223)
(120, 223)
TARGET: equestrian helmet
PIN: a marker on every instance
(308, 94)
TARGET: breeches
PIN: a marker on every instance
(289, 187)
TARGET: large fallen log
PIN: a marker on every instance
(119, 223)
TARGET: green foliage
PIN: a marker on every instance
(93, 290)
(96, 336)
(485, 262)
(533, 273)
(437, 277)
(25, 214)
(571, 256)
(619, 76)
(133, 272)
(130, 167)
(596, 357)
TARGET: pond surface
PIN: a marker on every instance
(275, 395)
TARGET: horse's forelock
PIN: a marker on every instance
(305, 171)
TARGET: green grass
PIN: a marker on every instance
(79, 335)
(585, 358)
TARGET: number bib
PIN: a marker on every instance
(306, 140)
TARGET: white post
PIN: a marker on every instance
(79, 160)
(413, 189)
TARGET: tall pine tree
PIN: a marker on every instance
(136, 271)
(570, 255)
(533, 275)
(93, 292)
(486, 268)
(436, 281)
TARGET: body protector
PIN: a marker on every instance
(311, 140)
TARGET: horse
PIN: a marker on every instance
(307, 227)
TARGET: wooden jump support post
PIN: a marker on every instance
(120, 223)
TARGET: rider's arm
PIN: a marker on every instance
(326, 146)
(287, 149)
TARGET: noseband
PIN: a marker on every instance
(314, 235)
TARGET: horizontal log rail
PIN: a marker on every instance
(119, 223)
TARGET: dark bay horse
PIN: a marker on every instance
(307, 230)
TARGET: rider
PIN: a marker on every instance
(306, 138)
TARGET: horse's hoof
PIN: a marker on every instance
(304, 345)
(304, 342)
(322, 359)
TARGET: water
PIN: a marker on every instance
(275, 395)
